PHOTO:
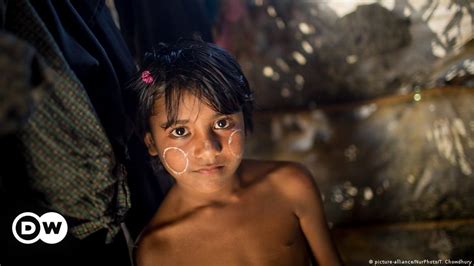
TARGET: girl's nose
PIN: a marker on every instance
(208, 147)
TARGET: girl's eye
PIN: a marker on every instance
(179, 132)
(221, 124)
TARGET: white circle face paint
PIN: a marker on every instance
(229, 142)
(179, 154)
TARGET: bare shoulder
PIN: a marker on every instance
(289, 175)
(293, 180)
(150, 247)
(155, 237)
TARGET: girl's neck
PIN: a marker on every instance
(194, 198)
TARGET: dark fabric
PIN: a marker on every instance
(98, 55)
(92, 45)
(84, 34)
(96, 52)
(71, 167)
(145, 23)
(3, 5)
(18, 82)
(24, 86)
(147, 188)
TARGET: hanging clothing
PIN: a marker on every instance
(70, 162)
(18, 82)
(55, 153)
(96, 52)
(78, 140)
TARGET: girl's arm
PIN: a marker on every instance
(308, 207)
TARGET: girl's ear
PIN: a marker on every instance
(150, 144)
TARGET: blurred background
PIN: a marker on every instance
(374, 97)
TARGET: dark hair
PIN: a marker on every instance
(202, 69)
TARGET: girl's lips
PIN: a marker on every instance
(210, 169)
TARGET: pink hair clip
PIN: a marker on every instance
(147, 77)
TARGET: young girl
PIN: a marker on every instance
(195, 110)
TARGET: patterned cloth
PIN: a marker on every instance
(70, 161)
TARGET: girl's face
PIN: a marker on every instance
(203, 149)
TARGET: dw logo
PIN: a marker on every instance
(28, 227)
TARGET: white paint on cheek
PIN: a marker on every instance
(229, 142)
(185, 155)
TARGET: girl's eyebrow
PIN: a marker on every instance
(217, 115)
(168, 124)
(177, 122)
